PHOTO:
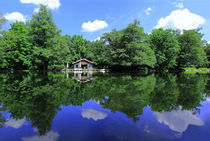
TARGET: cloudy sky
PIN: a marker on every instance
(91, 18)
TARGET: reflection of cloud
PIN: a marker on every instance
(94, 114)
(146, 129)
(178, 120)
(50, 136)
(15, 123)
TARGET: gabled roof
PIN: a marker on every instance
(83, 60)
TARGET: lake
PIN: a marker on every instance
(53, 106)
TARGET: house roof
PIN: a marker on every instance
(83, 60)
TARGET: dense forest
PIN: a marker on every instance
(39, 45)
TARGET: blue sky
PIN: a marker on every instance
(91, 18)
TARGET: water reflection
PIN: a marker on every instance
(50, 136)
(84, 76)
(93, 114)
(15, 123)
(37, 97)
(178, 120)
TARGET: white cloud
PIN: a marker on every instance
(208, 42)
(15, 16)
(50, 136)
(15, 123)
(94, 26)
(181, 19)
(179, 5)
(36, 10)
(52, 4)
(94, 114)
(97, 39)
(178, 120)
(148, 10)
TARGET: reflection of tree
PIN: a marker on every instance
(207, 90)
(165, 95)
(2, 119)
(127, 94)
(34, 96)
(38, 96)
(191, 87)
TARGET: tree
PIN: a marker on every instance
(128, 48)
(43, 31)
(77, 46)
(97, 52)
(59, 53)
(143, 55)
(166, 48)
(192, 53)
(17, 47)
(207, 51)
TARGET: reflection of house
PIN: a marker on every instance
(83, 64)
(83, 76)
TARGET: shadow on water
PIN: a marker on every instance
(37, 96)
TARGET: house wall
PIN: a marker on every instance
(83, 63)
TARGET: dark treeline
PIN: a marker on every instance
(39, 45)
(38, 96)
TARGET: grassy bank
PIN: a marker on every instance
(197, 70)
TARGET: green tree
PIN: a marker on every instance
(77, 46)
(166, 48)
(207, 50)
(97, 52)
(192, 52)
(43, 32)
(59, 53)
(128, 48)
(17, 47)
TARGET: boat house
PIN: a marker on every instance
(83, 64)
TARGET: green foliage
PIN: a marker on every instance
(16, 47)
(127, 47)
(46, 40)
(166, 48)
(207, 50)
(77, 46)
(192, 53)
(97, 52)
(38, 45)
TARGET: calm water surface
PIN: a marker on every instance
(51, 106)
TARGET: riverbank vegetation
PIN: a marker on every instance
(39, 45)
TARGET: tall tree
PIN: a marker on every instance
(192, 52)
(43, 31)
(166, 48)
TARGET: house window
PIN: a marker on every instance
(90, 65)
(77, 66)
